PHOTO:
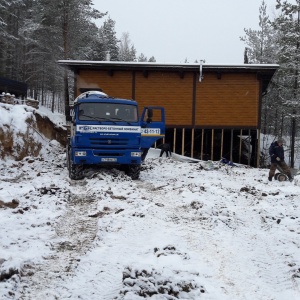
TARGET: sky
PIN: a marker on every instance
(175, 30)
(182, 231)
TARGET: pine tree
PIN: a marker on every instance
(5, 12)
(142, 57)
(288, 27)
(261, 46)
(106, 42)
(152, 59)
(11, 14)
(132, 53)
(35, 34)
(69, 24)
(109, 33)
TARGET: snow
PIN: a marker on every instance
(57, 118)
(14, 116)
(180, 232)
(168, 64)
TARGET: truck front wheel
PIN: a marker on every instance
(75, 171)
(133, 171)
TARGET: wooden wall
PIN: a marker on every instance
(119, 84)
(231, 100)
(171, 92)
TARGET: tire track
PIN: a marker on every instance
(235, 256)
(76, 232)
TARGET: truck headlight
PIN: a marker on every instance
(136, 154)
(80, 153)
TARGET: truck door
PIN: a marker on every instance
(153, 125)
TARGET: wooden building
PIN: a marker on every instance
(212, 111)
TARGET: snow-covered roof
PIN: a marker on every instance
(75, 64)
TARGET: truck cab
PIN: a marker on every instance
(107, 132)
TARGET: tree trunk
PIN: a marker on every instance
(66, 56)
(293, 139)
(67, 106)
(53, 100)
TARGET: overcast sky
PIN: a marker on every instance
(175, 30)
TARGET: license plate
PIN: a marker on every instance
(108, 159)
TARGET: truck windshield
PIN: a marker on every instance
(107, 112)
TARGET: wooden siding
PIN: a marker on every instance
(119, 84)
(167, 89)
(231, 101)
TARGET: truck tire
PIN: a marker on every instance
(75, 171)
(134, 171)
(68, 158)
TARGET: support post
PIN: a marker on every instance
(240, 150)
(212, 144)
(192, 144)
(231, 145)
(258, 149)
(249, 145)
(202, 140)
(182, 145)
(174, 144)
(222, 142)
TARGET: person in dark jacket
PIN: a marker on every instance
(277, 158)
(165, 148)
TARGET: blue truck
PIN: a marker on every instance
(108, 132)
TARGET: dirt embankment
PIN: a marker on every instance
(28, 138)
(50, 130)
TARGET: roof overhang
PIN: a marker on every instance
(121, 65)
(264, 72)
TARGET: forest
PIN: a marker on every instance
(278, 42)
(35, 34)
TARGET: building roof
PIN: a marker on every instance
(263, 71)
(78, 64)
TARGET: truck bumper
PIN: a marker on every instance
(106, 157)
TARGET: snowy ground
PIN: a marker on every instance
(180, 232)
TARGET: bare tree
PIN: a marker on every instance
(127, 51)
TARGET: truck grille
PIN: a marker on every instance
(108, 154)
(106, 141)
